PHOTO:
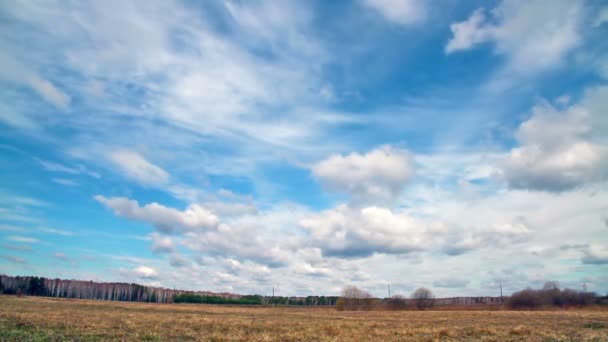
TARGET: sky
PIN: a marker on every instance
(307, 145)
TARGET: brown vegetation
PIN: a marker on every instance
(39, 318)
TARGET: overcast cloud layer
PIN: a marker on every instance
(236, 146)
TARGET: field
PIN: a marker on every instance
(43, 319)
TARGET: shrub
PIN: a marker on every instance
(423, 298)
(397, 302)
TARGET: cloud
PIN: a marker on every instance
(64, 258)
(13, 259)
(56, 231)
(347, 232)
(161, 243)
(602, 17)
(136, 167)
(451, 282)
(57, 167)
(459, 241)
(24, 248)
(558, 150)
(177, 260)
(378, 175)
(50, 92)
(23, 239)
(166, 220)
(143, 272)
(515, 31)
(65, 181)
(401, 12)
(595, 255)
(16, 72)
(469, 33)
(231, 209)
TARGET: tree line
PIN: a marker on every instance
(551, 295)
(353, 298)
(79, 289)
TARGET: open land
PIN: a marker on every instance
(44, 319)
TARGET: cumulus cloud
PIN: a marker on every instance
(140, 273)
(231, 209)
(177, 260)
(469, 33)
(165, 219)
(401, 12)
(136, 167)
(161, 243)
(348, 232)
(378, 175)
(595, 255)
(459, 241)
(515, 31)
(558, 150)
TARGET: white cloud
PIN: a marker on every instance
(161, 243)
(13, 259)
(193, 218)
(514, 29)
(15, 71)
(557, 149)
(451, 282)
(401, 12)
(177, 260)
(596, 255)
(378, 175)
(57, 167)
(231, 209)
(145, 272)
(56, 231)
(469, 33)
(65, 181)
(136, 167)
(50, 92)
(23, 239)
(348, 232)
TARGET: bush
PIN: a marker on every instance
(527, 298)
(340, 304)
(423, 298)
(549, 295)
(397, 302)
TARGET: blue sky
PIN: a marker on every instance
(233, 146)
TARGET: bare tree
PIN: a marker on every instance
(550, 286)
(423, 298)
(397, 302)
(354, 298)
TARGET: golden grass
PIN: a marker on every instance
(35, 318)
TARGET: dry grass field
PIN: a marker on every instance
(47, 319)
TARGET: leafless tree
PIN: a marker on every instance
(423, 298)
(355, 298)
(397, 302)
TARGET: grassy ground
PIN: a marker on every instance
(44, 319)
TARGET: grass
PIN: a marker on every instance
(47, 319)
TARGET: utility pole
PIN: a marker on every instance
(389, 290)
(273, 296)
(501, 300)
